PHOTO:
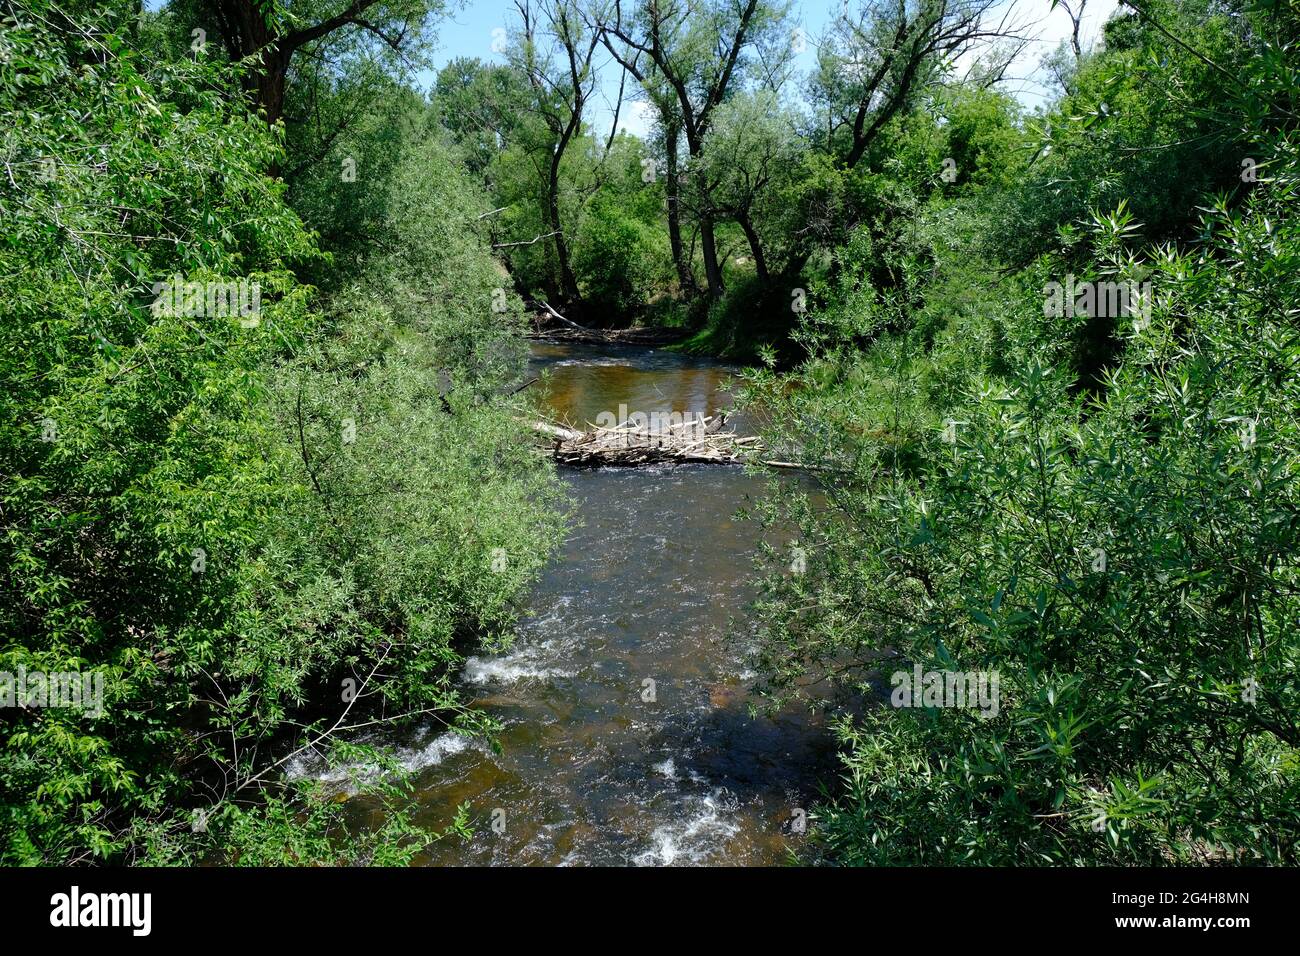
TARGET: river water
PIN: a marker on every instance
(627, 739)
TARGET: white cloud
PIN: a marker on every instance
(1048, 27)
(638, 118)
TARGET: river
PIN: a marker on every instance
(627, 739)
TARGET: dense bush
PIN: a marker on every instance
(1115, 539)
(228, 516)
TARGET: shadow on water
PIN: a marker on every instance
(627, 739)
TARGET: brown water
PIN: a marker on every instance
(596, 765)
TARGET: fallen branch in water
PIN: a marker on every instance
(519, 388)
(558, 432)
(550, 310)
(696, 439)
(573, 332)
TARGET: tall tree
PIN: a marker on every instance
(272, 32)
(669, 129)
(697, 50)
(873, 59)
(750, 151)
(481, 104)
(554, 52)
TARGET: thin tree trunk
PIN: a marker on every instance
(755, 245)
(685, 274)
(708, 244)
(709, 248)
(568, 283)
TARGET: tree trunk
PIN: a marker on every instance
(568, 283)
(685, 274)
(270, 85)
(708, 244)
(244, 28)
(755, 246)
(709, 247)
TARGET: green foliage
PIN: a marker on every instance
(1145, 124)
(1114, 535)
(265, 530)
(481, 105)
(227, 517)
(748, 162)
(620, 252)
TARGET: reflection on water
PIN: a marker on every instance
(627, 739)
(586, 380)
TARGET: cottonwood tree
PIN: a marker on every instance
(692, 54)
(553, 50)
(751, 150)
(667, 142)
(272, 33)
(668, 131)
(481, 104)
(1075, 13)
(874, 58)
(1064, 62)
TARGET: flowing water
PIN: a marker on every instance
(627, 740)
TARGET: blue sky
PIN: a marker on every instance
(468, 31)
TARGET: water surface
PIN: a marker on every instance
(627, 740)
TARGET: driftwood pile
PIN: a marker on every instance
(695, 439)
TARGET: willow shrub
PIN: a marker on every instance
(184, 507)
(1125, 561)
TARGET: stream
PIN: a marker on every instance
(627, 740)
